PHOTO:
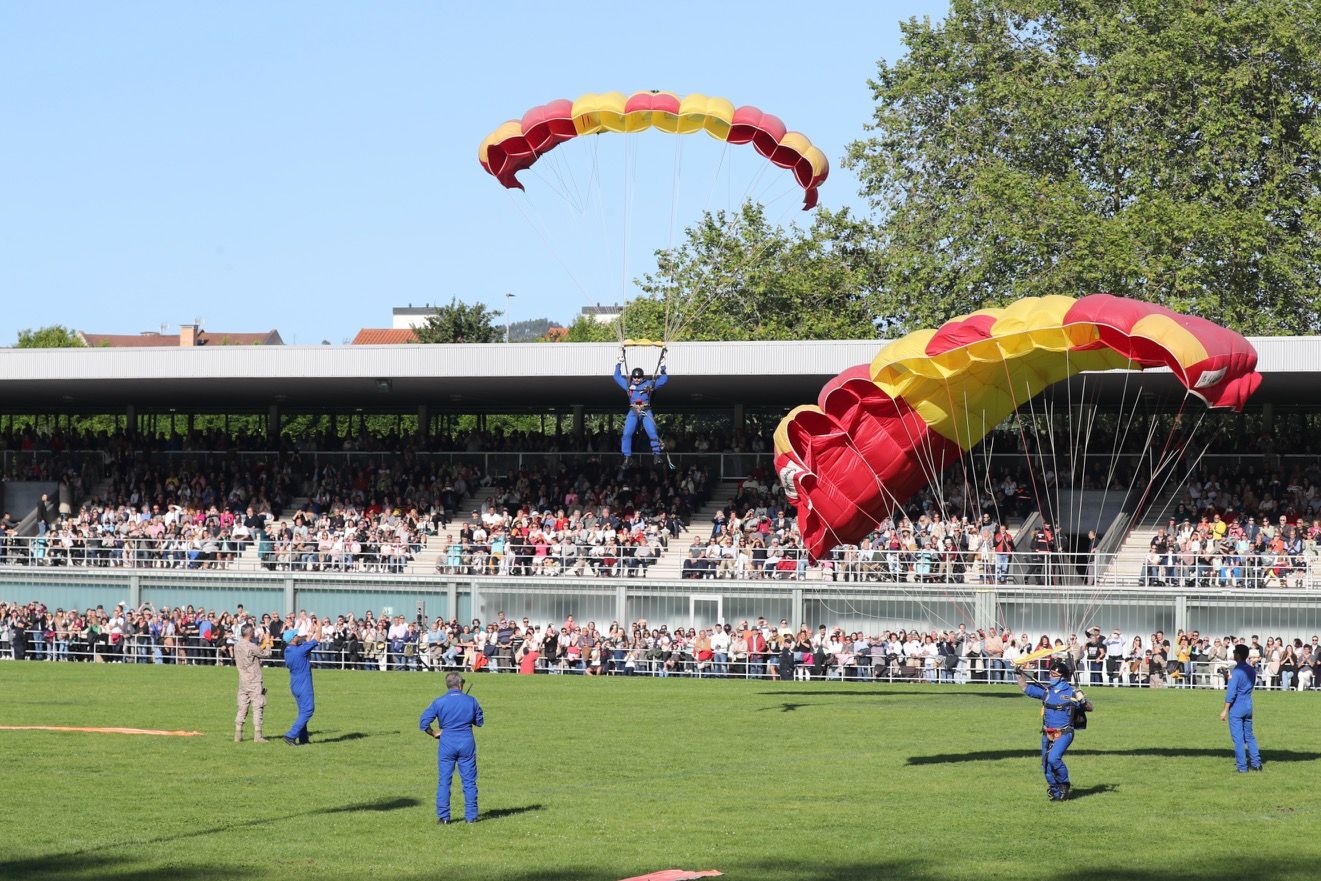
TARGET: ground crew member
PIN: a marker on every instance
(298, 658)
(247, 658)
(456, 713)
(1238, 710)
(1059, 704)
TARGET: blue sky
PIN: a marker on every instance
(309, 165)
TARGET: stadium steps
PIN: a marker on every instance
(1132, 554)
(670, 563)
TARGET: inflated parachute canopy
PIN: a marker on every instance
(879, 431)
(519, 143)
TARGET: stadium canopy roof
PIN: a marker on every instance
(504, 377)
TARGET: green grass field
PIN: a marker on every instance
(606, 778)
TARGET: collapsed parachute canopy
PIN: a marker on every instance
(517, 144)
(879, 432)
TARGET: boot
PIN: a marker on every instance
(238, 733)
(256, 727)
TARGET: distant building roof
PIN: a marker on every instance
(384, 336)
(188, 337)
(414, 310)
(555, 333)
(598, 309)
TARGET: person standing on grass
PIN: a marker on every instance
(298, 658)
(247, 658)
(455, 713)
(1238, 711)
(1061, 708)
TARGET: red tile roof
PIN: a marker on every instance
(204, 338)
(384, 336)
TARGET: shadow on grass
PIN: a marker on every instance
(351, 735)
(102, 867)
(1165, 752)
(792, 869)
(893, 692)
(498, 813)
(92, 862)
(1098, 789)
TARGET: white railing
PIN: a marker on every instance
(846, 565)
(877, 666)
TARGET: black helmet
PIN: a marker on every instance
(1060, 667)
(638, 373)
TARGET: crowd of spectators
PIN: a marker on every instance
(1245, 527)
(749, 649)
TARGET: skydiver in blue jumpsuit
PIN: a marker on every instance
(1238, 710)
(1059, 701)
(456, 713)
(297, 657)
(640, 389)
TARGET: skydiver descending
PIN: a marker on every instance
(640, 390)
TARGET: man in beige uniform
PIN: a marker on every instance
(247, 657)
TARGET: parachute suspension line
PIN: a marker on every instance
(628, 216)
(698, 305)
(715, 179)
(1119, 439)
(674, 188)
(1022, 435)
(916, 597)
(547, 241)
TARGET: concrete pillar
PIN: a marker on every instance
(1268, 416)
(621, 601)
(289, 594)
(131, 420)
(273, 423)
(423, 421)
(984, 603)
(738, 417)
(578, 422)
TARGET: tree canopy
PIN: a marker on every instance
(459, 322)
(1168, 150)
(54, 336)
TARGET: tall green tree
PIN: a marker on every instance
(1168, 150)
(55, 336)
(738, 277)
(461, 323)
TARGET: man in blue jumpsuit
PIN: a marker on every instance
(639, 390)
(298, 658)
(1238, 710)
(1058, 704)
(456, 713)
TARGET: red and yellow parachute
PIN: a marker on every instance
(879, 430)
(518, 143)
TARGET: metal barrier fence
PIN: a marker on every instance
(769, 666)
